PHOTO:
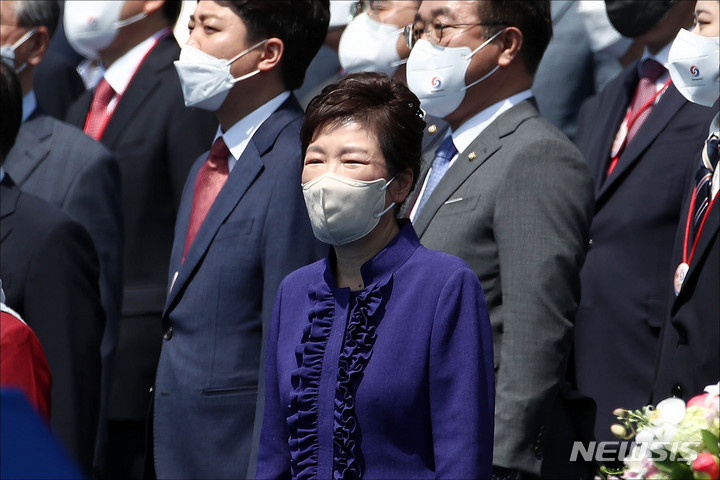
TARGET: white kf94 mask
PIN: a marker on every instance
(342, 209)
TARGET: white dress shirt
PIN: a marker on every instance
(238, 136)
(122, 71)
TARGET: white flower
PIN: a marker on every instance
(645, 436)
(713, 389)
(672, 410)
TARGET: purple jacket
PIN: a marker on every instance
(395, 381)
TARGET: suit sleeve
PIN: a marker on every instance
(274, 453)
(542, 231)
(461, 380)
(95, 201)
(62, 305)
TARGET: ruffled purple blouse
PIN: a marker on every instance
(394, 381)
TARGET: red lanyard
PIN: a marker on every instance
(630, 119)
(688, 258)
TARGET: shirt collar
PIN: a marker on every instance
(469, 131)
(119, 74)
(2, 174)
(238, 136)
(29, 104)
(661, 57)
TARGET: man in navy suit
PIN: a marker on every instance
(242, 226)
(640, 168)
(155, 140)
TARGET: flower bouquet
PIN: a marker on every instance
(673, 440)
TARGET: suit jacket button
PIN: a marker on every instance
(677, 391)
(168, 333)
(590, 244)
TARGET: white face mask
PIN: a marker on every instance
(7, 52)
(90, 27)
(369, 46)
(206, 81)
(437, 75)
(694, 67)
(342, 209)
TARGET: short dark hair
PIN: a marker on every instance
(378, 103)
(171, 10)
(11, 116)
(301, 25)
(531, 17)
(37, 13)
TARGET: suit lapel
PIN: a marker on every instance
(143, 84)
(35, 136)
(9, 196)
(617, 104)
(246, 170)
(469, 160)
(669, 104)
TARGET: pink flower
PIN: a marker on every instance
(706, 401)
(706, 466)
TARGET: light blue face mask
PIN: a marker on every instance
(7, 52)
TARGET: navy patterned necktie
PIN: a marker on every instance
(703, 180)
(440, 165)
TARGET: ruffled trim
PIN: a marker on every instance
(359, 339)
(303, 424)
(360, 336)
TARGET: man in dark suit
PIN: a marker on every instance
(155, 140)
(59, 163)
(50, 277)
(639, 136)
(689, 358)
(515, 202)
(235, 241)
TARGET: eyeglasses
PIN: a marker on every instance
(434, 31)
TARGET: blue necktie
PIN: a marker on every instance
(440, 165)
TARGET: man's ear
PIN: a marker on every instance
(37, 45)
(152, 6)
(512, 40)
(399, 189)
(272, 54)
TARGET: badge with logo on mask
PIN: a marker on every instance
(437, 75)
(91, 27)
(694, 67)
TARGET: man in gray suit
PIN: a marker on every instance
(60, 164)
(507, 192)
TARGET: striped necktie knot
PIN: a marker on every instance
(703, 180)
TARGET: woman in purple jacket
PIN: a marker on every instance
(379, 358)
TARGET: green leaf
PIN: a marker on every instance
(663, 465)
(710, 441)
(680, 471)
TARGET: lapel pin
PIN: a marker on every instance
(472, 156)
(432, 129)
